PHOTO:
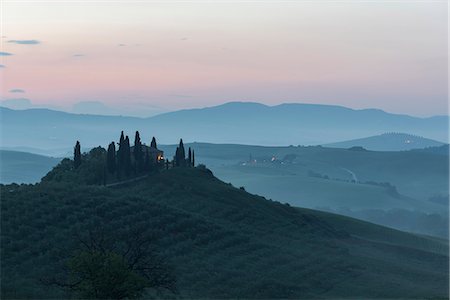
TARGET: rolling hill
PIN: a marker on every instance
(23, 167)
(416, 174)
(221, 241)
(395, 189)
(389, 142)
(319, 178)
(237, 122)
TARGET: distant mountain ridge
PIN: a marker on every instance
(392, 141)
(234, 122)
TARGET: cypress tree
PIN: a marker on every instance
(177, 157)
(77, 155)
(127, 156)
(193, 158)
(190, 156)
(111, 158)
(153, 143)
(122, 138)
(181, 154)
(137, 151)
(121, 156)
(182, 151)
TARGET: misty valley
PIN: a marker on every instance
(218, 150)
(361, 218)
(403, 187)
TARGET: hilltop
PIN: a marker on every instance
(221, 241)
(389, 142)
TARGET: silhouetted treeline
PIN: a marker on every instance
(125, 161)
(180, 159)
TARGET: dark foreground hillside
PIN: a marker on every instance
(221, 241)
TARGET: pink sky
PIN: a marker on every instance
(390, 55)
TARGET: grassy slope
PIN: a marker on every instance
(222, 241)
(381, 234)
(415, 174)
(301, 190)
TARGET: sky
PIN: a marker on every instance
(145, 57)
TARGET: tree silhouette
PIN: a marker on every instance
(176, 159)
(180, 155)
(122, 138)
(111, 158)
(153, 143)
(193, 158)
(114, 267)
(182, 151)
(127, 156)
(77, 155)
(190, 157)
(138, 154)
(104, 275)
(121, 156)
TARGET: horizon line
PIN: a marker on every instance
(219, 105)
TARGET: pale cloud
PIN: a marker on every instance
(17, 91)
(25, 42)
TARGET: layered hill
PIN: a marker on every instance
(406, 190)
(237, 122)
(23, 167)
(417, 174)
(389, 142)
(285, 171)
(222, 241)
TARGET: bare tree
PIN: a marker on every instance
(103, 267)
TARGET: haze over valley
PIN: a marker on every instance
(402, 184)
(237, 122)
(224, 150)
